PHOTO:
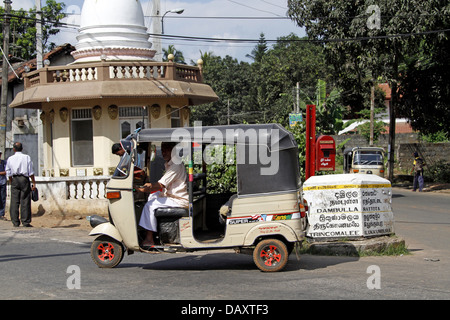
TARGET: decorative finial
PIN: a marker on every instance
(200, 65)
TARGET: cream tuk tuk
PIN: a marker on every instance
(364, 160)
(265, 217)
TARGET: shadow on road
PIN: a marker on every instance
(397, 195)
(233, 261)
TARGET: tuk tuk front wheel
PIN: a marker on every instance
(106, 252)
(270, 255)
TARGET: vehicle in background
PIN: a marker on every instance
(365, 160)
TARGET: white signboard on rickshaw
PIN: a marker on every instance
(348, 206)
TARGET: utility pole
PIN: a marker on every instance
(157, 29)
(39, 51)
(39, 65)
(228, 112)
(372, 110)
(5, 69)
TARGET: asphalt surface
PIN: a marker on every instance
(35, 264)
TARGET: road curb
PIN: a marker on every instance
(377, 245)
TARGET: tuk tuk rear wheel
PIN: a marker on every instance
(271, 255)
(106, 252)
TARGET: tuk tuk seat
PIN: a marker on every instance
(171, 212)
(168, 225)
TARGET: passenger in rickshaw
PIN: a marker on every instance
(117, 149)
(174, 192)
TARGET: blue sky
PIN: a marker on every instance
(201, 27)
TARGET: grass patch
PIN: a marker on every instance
(395, 249)
(383, 246)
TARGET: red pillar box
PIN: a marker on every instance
(325, 153)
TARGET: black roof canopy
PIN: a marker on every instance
(274, 136)
(266, 154)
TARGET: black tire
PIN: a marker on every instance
(271, 255)
(107, 252)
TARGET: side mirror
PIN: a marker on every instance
(127, 145)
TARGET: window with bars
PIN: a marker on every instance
(132, 118)
(175, 118)
(82, 138)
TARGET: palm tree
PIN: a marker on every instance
(179, 58)
(205, 56)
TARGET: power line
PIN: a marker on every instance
(58, 23)
(234, 17)
(272, 4)
(224, 17)
(236, 40)
(6, 58)
(257, 9)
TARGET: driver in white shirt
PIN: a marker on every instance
(174, 192)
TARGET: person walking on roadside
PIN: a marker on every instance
(19, 170)
(418, 165)
(2, 188)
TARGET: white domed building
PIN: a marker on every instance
(114, 30)
(113, 87)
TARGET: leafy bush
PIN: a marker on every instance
(221, 174)
(299, 133)
(439, 172)
(439, 136)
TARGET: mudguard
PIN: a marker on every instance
(268, 229)
(106, 229)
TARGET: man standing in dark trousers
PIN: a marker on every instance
(19, 170)
(418, 165)
(2, 188)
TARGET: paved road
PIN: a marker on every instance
(38, 264)
(423, 219)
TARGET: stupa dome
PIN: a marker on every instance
(112, 30)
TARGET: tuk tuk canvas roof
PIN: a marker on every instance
(273, 135)
(258, 172)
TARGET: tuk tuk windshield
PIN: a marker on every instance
(368, 158)
(123, 168)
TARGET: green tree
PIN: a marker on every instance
(178, 55)
(274, 78)
(425, 88)
(259, 51)
(299, 133)
(262, 92)
(205, 56)
(230, 81)
(370, 39)
(23, 29)
(329, 111)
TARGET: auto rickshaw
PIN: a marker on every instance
(364, 160)
(265, 216)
